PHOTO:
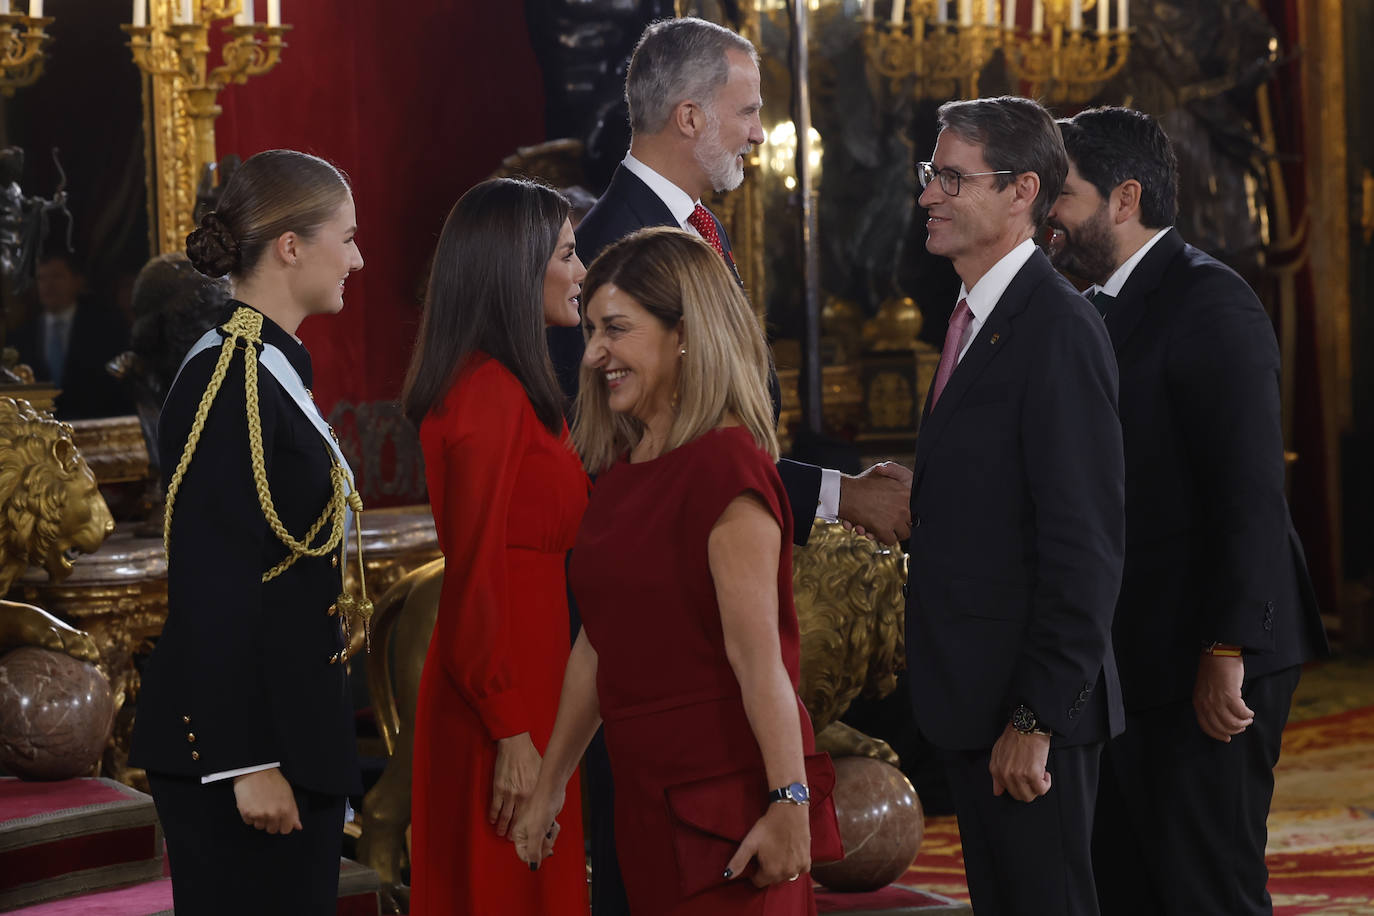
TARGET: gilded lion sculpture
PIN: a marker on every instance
(52, 511)
(850, 608)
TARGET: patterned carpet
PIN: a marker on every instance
(1321, 824)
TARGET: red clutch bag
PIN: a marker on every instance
(710, 818)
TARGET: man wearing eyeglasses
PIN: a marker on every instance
(1017, 522)
(1216, 613)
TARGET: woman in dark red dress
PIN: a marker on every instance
(682, 573)
(508, 493)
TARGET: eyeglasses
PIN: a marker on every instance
(926, 172)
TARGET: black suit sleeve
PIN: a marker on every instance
(1223, 382)
(1075, 476)
(216, 566)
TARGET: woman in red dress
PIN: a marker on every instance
(508, 493)
(682, 573)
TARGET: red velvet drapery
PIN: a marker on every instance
(416, 101)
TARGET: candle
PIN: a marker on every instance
(274, 12)
(898, 7)
(965, 13)
(140, 13)
(1009, 14)
(245, 14)
(941, 11)
(184, 13)
(1076, 15)
(868, 10)
(1103, 8)
(1121, 15)
(36, 9)
(990, 14)
(1038, 17)
(5, 8)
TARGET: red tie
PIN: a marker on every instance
(701, 221)
(954, 342)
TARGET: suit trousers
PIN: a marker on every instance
(1181, 817)
(220, 865)
(1028, 859)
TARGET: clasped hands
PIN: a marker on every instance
(878, 502)
(780, 840)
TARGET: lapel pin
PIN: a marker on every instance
(995, 338)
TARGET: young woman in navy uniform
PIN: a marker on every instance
(245, 724)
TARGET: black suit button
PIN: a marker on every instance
(1073, 712)
(1082, 695)
(915, 521)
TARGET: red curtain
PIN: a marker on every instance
(416, 101)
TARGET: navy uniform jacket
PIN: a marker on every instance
(241, 675)
(627, 205)
(1018, 527)
(1211, 553)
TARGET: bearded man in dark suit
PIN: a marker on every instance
(1017, 522)
(1216, 612)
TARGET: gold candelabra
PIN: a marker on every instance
(1066, 53)
(181, 95)
(1061, 60)
(21, 48)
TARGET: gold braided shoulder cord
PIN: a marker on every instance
(244, 330)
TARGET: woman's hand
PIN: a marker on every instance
(781, 841)
(517, 769)
(536, 829)
(265, 801)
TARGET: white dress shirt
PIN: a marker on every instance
(681, 205)
(987, 292)
(1117, 281)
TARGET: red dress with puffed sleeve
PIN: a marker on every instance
(675, 725)
(507, 497)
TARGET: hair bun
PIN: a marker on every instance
(212, 248)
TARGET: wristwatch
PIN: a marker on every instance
(794, 794)
(1024, 721)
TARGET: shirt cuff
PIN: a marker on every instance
(241, 771)
(828, 506)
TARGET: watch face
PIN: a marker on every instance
(1022, 719)
(799, 793)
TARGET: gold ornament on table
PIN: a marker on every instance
(22, 37)
(170, 42)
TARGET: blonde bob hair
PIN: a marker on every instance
(680, 280)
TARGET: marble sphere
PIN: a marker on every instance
(55, 714)
(881, 823)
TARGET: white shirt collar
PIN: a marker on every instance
(1117, 280)
(50, 318)
(679, 203)
(983, 298)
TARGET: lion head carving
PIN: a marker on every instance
(852, 615)
(52, 508)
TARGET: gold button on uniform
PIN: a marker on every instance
(186, 720)
(190, 738)
(334, 561)
(195, 755)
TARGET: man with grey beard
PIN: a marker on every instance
(1216, 613)
(693, 90)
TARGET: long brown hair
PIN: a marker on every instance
(486, 292)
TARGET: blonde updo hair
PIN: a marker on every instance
(679, 279)
(274, 192)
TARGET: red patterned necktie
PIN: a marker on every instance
(954, 342)
(702, 222)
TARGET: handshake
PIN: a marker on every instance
(877, 503)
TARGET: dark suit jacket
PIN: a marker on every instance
(1211, 554)
(1018, 527)
(627, 205)
(97, 336)
(247, 662)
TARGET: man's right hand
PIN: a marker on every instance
(877, 502)
(265, 801)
